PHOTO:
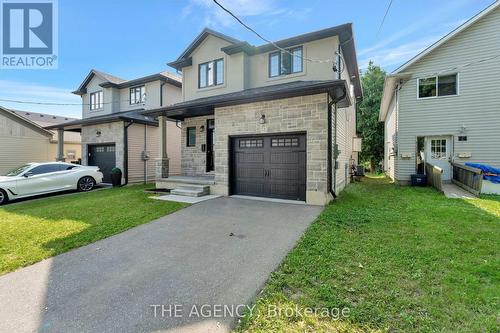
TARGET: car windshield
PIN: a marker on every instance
(18, 171)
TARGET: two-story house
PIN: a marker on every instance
(115, 133)
(276, 120)
(441, 107)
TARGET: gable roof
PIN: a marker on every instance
(449, 36)
(400, 74)
(26, 122)
(114, 81)
(343, 31)
(184, 59)
(43, 120)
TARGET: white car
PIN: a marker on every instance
(41, 178)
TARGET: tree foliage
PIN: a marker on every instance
(372, 131)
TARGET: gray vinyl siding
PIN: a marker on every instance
(477, 106)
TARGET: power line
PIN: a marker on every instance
(385, 15)
(270, 41)
(62, 104)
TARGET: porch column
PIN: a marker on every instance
(60, 146)
(162, 160)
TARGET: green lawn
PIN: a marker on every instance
(401, 259)
(34, 230)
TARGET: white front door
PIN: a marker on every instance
(438, 152)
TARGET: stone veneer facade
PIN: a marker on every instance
(110, 133)
(194, 160)
(297, 114)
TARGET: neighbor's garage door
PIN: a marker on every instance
(270, 166)
(104, 157)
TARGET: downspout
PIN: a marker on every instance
(144, 154)
(332, 144)
(161, 93)
(125, 151)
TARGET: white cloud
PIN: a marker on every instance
(214, 16)
(32, 92)
(397, 55)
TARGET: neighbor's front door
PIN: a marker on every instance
(438, 152)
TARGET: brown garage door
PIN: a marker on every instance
(270, 166)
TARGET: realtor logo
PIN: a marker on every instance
(29, 34)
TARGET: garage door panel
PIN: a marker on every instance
(250, 157)
(284, 157)
(270, 166)
(104, 157)
(250, 188)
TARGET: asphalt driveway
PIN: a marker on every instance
(192, 271)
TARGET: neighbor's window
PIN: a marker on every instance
(211, 73)
(438, 149)
(137, 95)
(283, 63)
(444, 85)
(191, 137)
(96, 100)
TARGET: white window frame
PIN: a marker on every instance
(437, 85)
(97, 104)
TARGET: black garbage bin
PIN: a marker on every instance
(419, 180)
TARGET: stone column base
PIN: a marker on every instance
(60, 159)
(162, 168)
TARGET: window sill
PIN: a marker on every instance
(284, 77)
(436, 97)
(211, 88)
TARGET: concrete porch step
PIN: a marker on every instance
(191, 190)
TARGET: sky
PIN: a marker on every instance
(136, 38)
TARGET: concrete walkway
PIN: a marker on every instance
(197, 268)
(455, 192)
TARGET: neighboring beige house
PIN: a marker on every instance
(115, 133)
(443, 105)
(258, 121)
(23, 139)
(72, 140)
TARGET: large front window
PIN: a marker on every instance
(96, 100)
(444, 85)
(211, 73)
(137, 95)
(284, 63)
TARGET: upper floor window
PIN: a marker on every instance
(137, 95)
(96, 100)
(444, 85)
(211, 73)
(283, 63)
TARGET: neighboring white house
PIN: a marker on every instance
(23, 139)
(114, 131)
(443, 105)
(258, 121)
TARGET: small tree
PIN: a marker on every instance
(372, 131)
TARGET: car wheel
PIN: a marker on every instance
(3, 197)
(86, 184)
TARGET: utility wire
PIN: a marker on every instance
(385, 15)
(273, 43)
(451, 69)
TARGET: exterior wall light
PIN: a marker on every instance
(262, 119)
(98, 133)
(202, 128)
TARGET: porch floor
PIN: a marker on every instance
(455, 192)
